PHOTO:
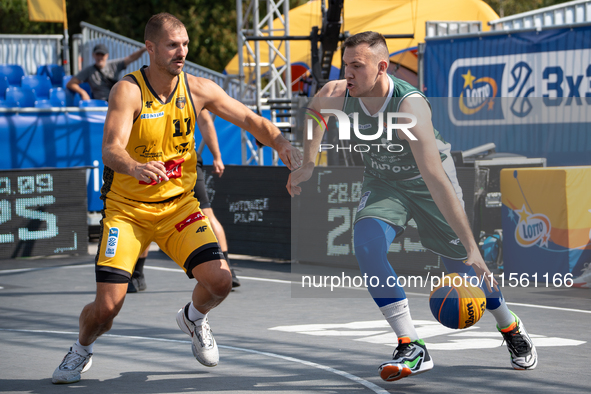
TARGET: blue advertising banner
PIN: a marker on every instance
(74, 139)
(528, 92)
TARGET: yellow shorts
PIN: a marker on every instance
(128, 227)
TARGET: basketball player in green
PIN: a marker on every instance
(409, 176)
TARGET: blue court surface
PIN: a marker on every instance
(270, 341)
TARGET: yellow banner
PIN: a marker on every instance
(47, 10)
(549, 204)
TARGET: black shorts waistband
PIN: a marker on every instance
(157, 202)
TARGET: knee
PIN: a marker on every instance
(368, 237)
(221, 284)
(105, 313)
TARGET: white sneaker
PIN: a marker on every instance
(521, 348)
(584, 280)
(71, 367)
(204, 347)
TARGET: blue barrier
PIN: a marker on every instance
(73, 137)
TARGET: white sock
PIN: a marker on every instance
(503, 315)
(398, 316)
(83, 350)
(194, 314)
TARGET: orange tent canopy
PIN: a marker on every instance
(384, 16)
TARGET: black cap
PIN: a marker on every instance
(100, 48)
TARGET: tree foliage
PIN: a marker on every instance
(512, 7)
(211, 24)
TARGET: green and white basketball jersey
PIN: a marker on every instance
(398, 162)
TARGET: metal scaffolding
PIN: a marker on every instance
(254, 26)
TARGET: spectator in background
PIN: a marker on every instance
(102, 75)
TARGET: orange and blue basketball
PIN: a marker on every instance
(456, 303)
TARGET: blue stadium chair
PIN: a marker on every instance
(20, 97)
(57, 97)
(40, 83)
(55, 72)
(43, 104)
(3, 86)
(93, 103)
(5, 104)
(86, 86)
(13, 72)
(73, 99)
(70, 96)
(66, 80)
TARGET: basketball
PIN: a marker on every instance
(456, 303)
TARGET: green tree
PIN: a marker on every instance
(512, 7)
(14, 19)
(211, 25)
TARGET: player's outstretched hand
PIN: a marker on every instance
(152, 170)
(482, 271)
(290, 155)
(298, 176)
(218, 167)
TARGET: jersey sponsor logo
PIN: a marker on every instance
(112, 241)
(182, 148)
(149, 104)
(201, 229)
(363, 201)
(180, 102)
(395, 169)
(173, 170)
(152, 115)
(144, 151)
(192, 218)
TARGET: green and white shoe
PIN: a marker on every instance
(409, 358)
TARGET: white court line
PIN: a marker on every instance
(15, 271)
(556, 308)
(373, 387)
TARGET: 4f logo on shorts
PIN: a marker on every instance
(363, 201)
(455, 241)
(112, 242)
(201, 229)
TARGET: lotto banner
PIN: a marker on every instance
(528, 92)
(546, 220)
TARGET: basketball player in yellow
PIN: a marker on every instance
(150, 160)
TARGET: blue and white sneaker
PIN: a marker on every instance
(71, 367)
(409, 358)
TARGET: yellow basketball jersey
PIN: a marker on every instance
(163, 131)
